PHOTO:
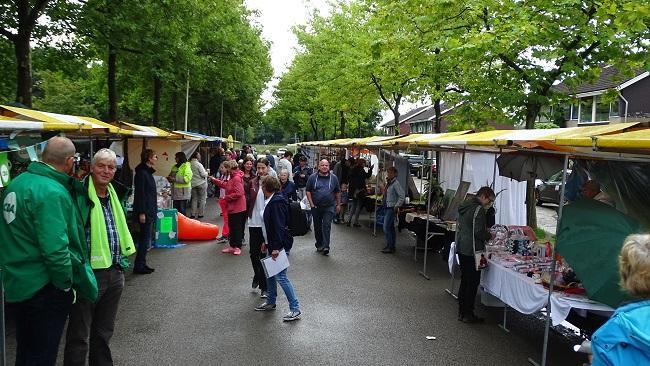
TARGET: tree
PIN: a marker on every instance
(533, 45)
(19, 19)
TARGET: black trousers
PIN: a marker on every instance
(91, 325)
(469, 281)
(181, 206)
(256, 240)
(39, 326)
(144, 240)
(237, 225)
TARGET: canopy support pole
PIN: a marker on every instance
(553, 266)
(494, 171)
(92, 147)
(3, 349)
(374, 229)
(450, 290)
(422, 178)
(427, 236)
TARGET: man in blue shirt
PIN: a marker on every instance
(325, 200)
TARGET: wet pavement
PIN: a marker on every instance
(360, 307)
(547, 217)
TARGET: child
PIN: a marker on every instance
(340, 218)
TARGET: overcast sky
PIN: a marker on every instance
(276, 18)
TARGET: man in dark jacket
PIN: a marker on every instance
(43, 251)
(145, 207)
(472, 235)
(278, 238)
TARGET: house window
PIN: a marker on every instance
(574, 111)
(602, 110)
(613, 110)
(586, 109)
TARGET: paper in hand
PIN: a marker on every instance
(273, 267)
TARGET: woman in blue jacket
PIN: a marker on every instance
(278, 238)
(625, 338)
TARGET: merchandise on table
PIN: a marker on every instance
(515, 247)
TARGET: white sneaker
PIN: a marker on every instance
(291, 316)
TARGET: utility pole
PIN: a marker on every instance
(221, 133)
(187, 97)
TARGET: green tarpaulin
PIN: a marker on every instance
(590, 239)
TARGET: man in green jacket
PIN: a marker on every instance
(91, 324)
(472, 235)
(43, 251)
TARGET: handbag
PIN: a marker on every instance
(480, 260)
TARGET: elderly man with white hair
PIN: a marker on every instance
(91, 324)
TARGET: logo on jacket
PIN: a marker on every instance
(9, 207)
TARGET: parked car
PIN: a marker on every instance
(415, 165)
(548, 191)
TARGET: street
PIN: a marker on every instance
(360, 307)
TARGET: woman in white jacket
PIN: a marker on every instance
(199, 186)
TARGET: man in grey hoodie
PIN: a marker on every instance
(472, 235)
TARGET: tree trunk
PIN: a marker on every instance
(112, 84)
(206, 122)
(157, 91)
(23, 69)
(174, 109)
(314, 126)
(437, 128)
(342, 134)
(396, 115)
(532, 110)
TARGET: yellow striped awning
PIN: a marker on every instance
(635, 139)
(146, 131)
(56, 118)
(12, 124)
(419, 139)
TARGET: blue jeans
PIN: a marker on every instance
(355, 210)
(287, 287)
(323, 217)
(389, 228)
(39, 326)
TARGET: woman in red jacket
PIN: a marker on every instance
(235, 205)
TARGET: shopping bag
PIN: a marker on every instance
(480, 260)
(304, 204)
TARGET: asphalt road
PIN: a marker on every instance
(360, 307)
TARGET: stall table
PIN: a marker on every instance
(521, 293)
(417, 223)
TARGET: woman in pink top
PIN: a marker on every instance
(235, 205)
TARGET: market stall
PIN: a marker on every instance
(514, 288)
(602, 146)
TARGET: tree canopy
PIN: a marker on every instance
(131, 60)
(496, 60)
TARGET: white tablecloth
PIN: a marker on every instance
(521, 293)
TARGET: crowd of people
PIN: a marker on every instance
(65, 243)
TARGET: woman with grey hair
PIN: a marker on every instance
(625, 338)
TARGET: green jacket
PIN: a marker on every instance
(42, 235)
(183, 175)
(471, 227)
